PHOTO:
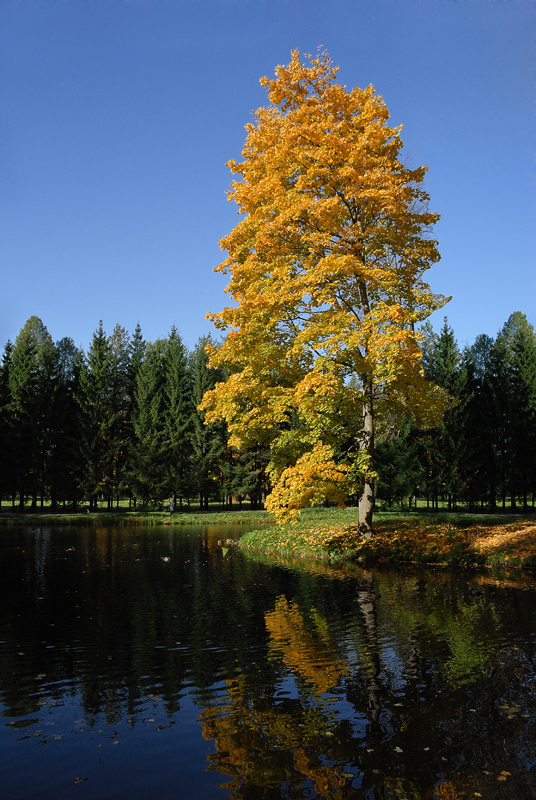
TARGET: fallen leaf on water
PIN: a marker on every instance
(501, 777)
(398, 750)
(80, 780)
(504, 772)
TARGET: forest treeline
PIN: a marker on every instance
(122, 422)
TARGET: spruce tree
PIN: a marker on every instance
(65, 467)
(31, 390)
(209, 442)
(521, 339)
(7, 444)
(178, 419)
(148, 470)
(94, 400)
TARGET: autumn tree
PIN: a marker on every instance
(326, 270)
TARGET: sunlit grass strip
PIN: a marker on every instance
(440, 540)
(137, 518)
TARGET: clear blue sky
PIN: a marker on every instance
(117, 119)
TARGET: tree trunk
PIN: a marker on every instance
(366, 499)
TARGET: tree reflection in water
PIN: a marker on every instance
(305, 680)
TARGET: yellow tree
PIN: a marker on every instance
(325, 270)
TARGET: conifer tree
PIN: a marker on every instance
(65, 471)
(178, 419)
(479, 467)
(149, 473)
(94, 400)
(443, 446)
(31, 390)
(7, 445)
(209, 441)
(521, 340)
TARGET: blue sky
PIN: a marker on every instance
(117, 119)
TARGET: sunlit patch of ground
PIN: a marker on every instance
(518, 538)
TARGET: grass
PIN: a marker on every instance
(447, 539)
(127, 518)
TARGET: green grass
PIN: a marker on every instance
(127, 518)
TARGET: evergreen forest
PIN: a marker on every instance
(120, 422)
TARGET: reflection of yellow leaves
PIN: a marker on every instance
(325, 778)
(446, 790)
(306, 653)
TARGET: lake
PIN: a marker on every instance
(162, 662)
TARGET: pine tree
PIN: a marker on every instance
(209, 441)
(7, 444)
(178, 419)
(137, 354)
(397, 465)
(64, 475)
(521, 339)
(31, 390)
(94, 400)
(149, 474)
(443, 447)
(480, 464)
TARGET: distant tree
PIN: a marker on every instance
(94, 398)
(149, 474)
(479, 466)
(31, 389)
(209, 441)
(138, 348)
(442, 448)
(119, 347)
(65, 469)
(521, 344)
(397, 464)
(7, 444)
(178, 418)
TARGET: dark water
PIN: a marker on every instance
(157, 663)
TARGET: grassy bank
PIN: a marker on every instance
(467, 540)
(127, 518)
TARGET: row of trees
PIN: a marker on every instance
(484, 451)
(119, 421)
(122, 421)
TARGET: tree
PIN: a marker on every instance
(7, 441)
(521, 346)
(326, 271)
(178, 418)
(31, 382)
(65, 471)
(149, 475)
(96, 417)
(209, 441)
(444, 446)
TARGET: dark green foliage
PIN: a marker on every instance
(209, 442)
(397, 464)
(123, 422)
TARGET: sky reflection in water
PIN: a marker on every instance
(137, 663)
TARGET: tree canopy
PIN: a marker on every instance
(326, 270)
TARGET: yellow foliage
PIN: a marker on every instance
(325, 270)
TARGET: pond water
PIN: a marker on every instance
(162, 662)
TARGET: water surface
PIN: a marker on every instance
(162, 662)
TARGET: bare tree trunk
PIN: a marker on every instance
(366, 499)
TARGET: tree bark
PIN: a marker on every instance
(366, 499)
